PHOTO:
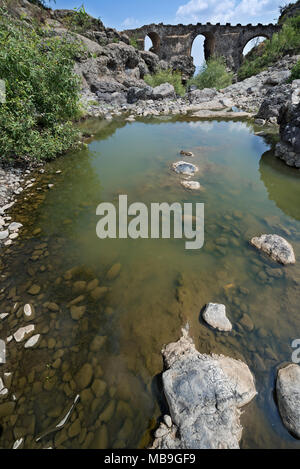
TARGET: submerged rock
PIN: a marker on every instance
(205, 394)
(34, 290)
(276, 247)
(191, 185)
(215, 316)
(84, 376)
(288, 396)
(182, 167)
(187, 153)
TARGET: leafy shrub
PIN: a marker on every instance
(213, 74)
(133, 42)
(166, 76)
(295, 75)
(42, 91)
(282, 43)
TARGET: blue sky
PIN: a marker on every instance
(127, 14)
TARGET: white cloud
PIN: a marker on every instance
(131, 22)
(233, 11)
(192, 7)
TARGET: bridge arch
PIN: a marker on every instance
(258, 37)
(156, 42)
(247, 38)
(209, 43)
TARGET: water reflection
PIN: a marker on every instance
(282, 184)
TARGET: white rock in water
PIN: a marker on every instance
(191, 185)
(215, 316)
(6, 207)
(18, 443)
(182, 167)
(168, 421)
(4, 234)
(276, 247)
(28, 311)
(14, 226)
(205, 394)
(32, 341)
(22, 332)
(288, 396)
(2, 352)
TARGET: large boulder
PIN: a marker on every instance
(151, 60)
(204, 394)
(164, 91)
(275, 98)
(277, 78)
(202, 96)
(136, 94)
(276, 247)
(106, 85)
(183, 64)
(288, 397)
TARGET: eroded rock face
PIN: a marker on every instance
(288, 396)
(205, 394)
(288, 149)
(276, 247)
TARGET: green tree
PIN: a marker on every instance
(42, 91)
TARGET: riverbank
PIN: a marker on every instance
(60, 268)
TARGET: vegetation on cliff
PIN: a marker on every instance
(42, 91)
(286, 41)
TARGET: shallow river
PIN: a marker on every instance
(113, 345)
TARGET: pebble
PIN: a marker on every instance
(34, 340)
(34, 290)
(21, 333)
(4, 235)
(77, 312)
(14, 226)
(84, 376)
(98, 293)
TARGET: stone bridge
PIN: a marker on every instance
(224, 40)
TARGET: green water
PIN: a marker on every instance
(161, 286)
